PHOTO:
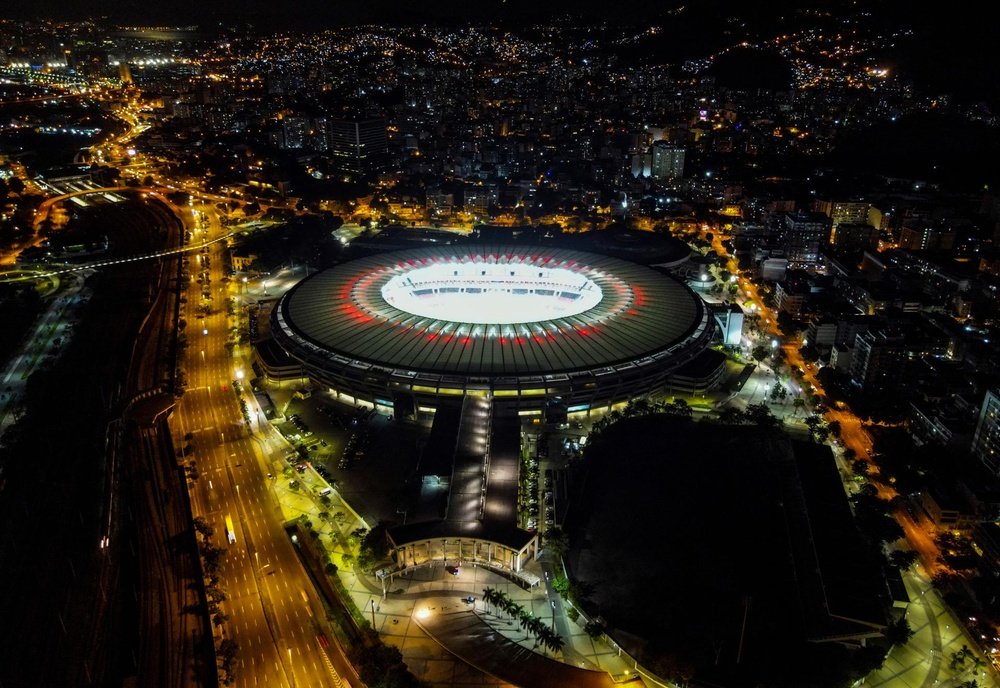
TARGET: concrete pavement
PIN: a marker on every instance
(925, 661)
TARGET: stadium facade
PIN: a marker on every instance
(524, 325)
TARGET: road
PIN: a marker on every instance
(271, 603)
(51, 326)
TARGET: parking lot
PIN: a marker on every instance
(371, 459)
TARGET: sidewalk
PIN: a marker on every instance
(403, 618)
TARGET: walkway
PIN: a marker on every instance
(465, 634)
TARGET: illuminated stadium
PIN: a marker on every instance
(524, 324)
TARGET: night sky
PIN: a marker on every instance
(311, 12)
(950, 51)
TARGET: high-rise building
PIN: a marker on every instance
(839, 212)
(854, 237)
(318, 139)
(986, 440)
(668, 161)
(884, 357)
(296, 131)
(358, 146)
(924, 237)
(878, 360)
(802, 236)
(479, 197)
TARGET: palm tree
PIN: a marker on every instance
(516, 611)
(507, 605)
(525, 620)
(495, 600)
(487, 597)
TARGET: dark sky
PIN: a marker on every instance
(952, 51)
(314, 12)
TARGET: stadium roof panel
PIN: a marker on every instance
(345, 310)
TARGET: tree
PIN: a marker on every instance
(809, 354)
(834, 426)
(958, 658)
(903, 559)
(638, 407)
(678, 407)
(898, 632)
(798, 404)
(760, 415)
(490, 597)
(817, 428)
(203, 528)
(760, 352)
(594, 628)
(873, 517)
(228, 648)
(731, 415)
(374, 548)
(556, 540)
(776, 392)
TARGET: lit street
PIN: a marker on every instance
(270, 599)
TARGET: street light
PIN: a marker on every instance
(239, 374)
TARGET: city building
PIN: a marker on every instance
(790, 296)
(667, 161)
(986, 440)
(803, 234)
(844, 212)
(854, 236)
(883, 356)
(295, 131)
(926, 237)
(821, 334)
(357, 146)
